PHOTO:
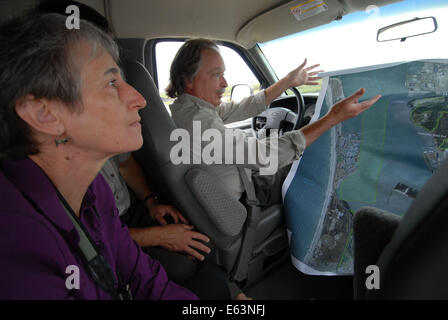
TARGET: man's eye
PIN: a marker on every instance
(113, 83)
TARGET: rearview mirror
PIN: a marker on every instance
(240, 91)
(406, 29)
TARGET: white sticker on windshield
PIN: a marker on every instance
(308, 8)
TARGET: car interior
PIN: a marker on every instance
(251, 243)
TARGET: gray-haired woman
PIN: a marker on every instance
(64, 110)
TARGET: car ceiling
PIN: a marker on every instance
(245, 22)
(241, 21)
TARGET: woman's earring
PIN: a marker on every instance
(60, 141)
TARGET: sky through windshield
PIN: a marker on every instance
(351, 42)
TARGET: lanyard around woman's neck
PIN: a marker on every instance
(97, 265)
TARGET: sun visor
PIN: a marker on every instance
(296, 16)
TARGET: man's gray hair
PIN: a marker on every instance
(186, 64)
(38, 57)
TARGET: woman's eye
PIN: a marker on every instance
(113, 83)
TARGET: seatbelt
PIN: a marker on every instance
(97, 265)
(253, 218)
(248, 186)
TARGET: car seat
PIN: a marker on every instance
(412, 252)
(248, 241)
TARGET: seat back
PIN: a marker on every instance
(192, 189)
(414, 263)
(154, 157)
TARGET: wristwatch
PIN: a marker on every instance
(149, 196)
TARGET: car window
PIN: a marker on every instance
(351, 42)
(237, 71)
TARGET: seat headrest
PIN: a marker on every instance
(415, 259)
(157, 124)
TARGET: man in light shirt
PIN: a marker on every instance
(197, 82)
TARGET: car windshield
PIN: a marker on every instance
(351, 42)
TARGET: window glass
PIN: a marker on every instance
(351, 42)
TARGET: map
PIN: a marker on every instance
(382, 159)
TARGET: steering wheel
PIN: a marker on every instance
(279, 118)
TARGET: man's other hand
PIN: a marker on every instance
(159, 211)
(181, 238)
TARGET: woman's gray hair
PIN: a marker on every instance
(186, 64)
(38, 57)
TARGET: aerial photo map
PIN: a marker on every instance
(381, 159)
